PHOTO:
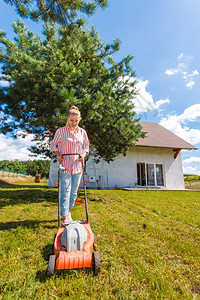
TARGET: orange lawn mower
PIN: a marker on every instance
(74, 243)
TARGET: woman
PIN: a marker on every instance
(70, 139)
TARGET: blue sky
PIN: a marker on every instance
(163, 37)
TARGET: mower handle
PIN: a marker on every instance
(71, 154)
(66, 154)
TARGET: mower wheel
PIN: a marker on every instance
(96, 262)
(51, 266)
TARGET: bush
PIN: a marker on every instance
(31, 167)
(192, 178)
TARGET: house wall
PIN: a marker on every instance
(123, 171)
(53, 174)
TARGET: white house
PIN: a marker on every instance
(155, 162)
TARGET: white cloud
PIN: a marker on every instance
(158, 103)
(177, 124)
(171, 72)
(181, 70)
(181, 56)
(178, 70)
(4, 83)
(194, 73)
(191, 165)
(192, 161)
(144, 100)
(12, 149)
(190, 84)
(182, 127)
(192, 114)
(190, 170)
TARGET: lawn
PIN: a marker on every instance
(149, 242)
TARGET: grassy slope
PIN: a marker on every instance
(149, 244)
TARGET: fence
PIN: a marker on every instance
(11, 173)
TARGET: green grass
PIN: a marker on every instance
(149, 243)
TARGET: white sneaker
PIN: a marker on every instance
(65, 223)
(69, 217)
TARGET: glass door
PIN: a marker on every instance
(141, 174)
(159, 175)
(150, 174)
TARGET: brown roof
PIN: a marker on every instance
(158, 136)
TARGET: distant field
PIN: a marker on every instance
(149, 242)
(192, 185)
(21, 181)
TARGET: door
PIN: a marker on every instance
(150, 174)
(141, 174)
(159, 175)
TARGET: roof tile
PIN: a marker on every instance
(158, 136)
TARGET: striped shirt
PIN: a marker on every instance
(65, 142)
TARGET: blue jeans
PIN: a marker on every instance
(69, 187)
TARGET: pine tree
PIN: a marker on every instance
(70, 66)
(66, 12)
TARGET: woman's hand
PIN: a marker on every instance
(60, 159)
(59, 155)
(83, 155)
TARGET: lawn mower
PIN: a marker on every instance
(74, 243)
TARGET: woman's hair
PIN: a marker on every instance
(73, 111)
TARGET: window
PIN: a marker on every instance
(150, 174)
